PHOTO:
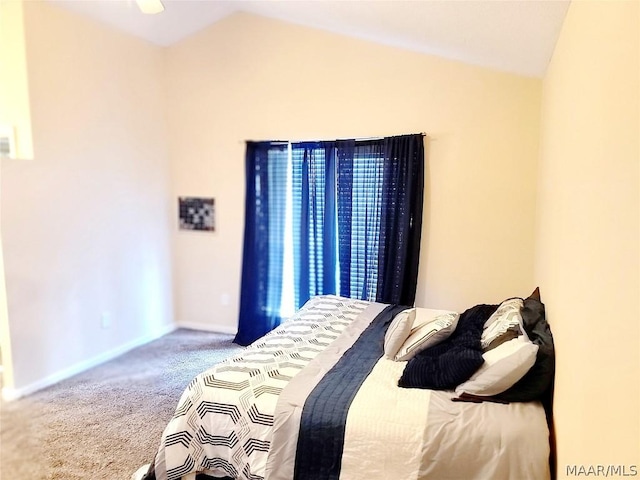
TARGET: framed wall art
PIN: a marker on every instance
(196, 213)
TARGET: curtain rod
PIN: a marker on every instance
(361, 139)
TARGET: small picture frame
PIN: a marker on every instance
(7, 142)
(196, 213)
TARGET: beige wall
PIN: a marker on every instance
(587, 261)
(252, 78)
(85, 226)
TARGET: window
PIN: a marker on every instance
(333, 217)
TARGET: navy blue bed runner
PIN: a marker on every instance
(324, 415)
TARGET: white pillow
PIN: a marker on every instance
(502, 368)
(429, 328)
(398, 332)
(504, 325)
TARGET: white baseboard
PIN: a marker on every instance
(207, 327)
(9, 394)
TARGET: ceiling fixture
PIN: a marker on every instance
(150, 7)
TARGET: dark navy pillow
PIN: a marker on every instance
(539, 379)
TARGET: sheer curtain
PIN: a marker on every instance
(352, 210)
(314, 219)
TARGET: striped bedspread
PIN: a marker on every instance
(315, 399)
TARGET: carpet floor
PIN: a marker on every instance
(106, 422)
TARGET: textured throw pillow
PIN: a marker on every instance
(504, 325)
(430, 327)
(503, 366)
(398, 331)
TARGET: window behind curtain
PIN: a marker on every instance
(361, 237)
(277, 186)
(335, 217)
(312, 166)
(336, 202)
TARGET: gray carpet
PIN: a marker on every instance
(106, 422)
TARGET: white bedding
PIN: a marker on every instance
(224, 423)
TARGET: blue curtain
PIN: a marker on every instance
(380, 196)
(400, 219)
(314, 219)
(356, 219)
(359, 206)
(264, 232)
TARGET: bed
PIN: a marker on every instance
(347, 389)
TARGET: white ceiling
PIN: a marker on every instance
(512, 35)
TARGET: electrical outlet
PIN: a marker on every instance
(105, 320)
(224, 299)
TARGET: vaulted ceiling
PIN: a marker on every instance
(517, 36)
